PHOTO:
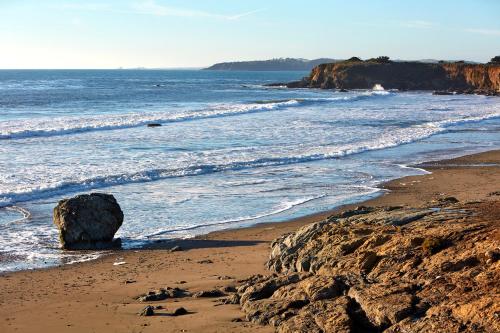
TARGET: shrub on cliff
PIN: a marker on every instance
(495, 60)
(354, 59)
(381, 60)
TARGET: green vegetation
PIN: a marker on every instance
(354, 59)
(378, 60)
(495, 60)
(381, 60)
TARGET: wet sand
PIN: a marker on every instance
(97, 296)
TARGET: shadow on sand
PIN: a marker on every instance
(189, 244)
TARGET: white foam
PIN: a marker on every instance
(72, 125)
(280, 209)
(420, 170)
(56, 126)
(387, 139)
(26, 214)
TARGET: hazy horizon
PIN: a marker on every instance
(172, 34)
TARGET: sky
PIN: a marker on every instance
(198, 33)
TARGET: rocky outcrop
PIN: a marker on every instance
(88, 221)
(458, 77)
(393, 269)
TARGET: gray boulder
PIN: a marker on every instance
(88, 221)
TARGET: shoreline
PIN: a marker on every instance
(382, 189)
(99, 296)
(167, 244)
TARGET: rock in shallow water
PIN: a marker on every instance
(88, 221)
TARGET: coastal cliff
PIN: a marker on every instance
(358, 74)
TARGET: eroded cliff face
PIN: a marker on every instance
(483, 78)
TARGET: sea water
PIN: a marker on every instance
(230, 153)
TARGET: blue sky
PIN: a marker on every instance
(195, 33)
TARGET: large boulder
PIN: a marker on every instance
(88, 221)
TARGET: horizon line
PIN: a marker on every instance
(229, 61)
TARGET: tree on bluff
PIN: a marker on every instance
(495, 60)
(354, 59)
(382, 60)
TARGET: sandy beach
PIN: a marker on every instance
(98, 296)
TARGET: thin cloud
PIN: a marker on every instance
(419, 24)
(414, 24)
(151, 7)
(237, 17)
(489, 32)
(86, 6)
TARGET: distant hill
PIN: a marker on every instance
(281, 64)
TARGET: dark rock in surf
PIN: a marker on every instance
(154, 125)
(296, 84)
(445, 93)
(276, 84)
(88, 221)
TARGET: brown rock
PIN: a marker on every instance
(384, 305)
(367, 260)
(88, 221)
(321, 317)
(163, 294)
(209, 293)
(232, 299)
(266, 288)
(367, 272)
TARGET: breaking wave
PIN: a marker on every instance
(74, 125)
(390, 138)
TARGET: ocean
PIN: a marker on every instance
(230, 153)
